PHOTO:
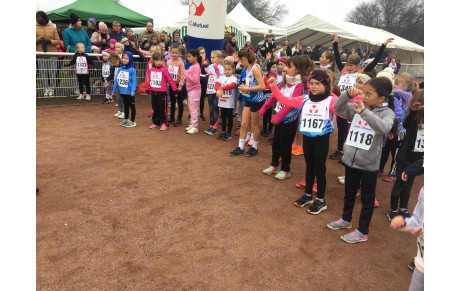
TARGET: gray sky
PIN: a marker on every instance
(334, 9)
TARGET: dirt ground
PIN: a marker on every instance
(140, 209)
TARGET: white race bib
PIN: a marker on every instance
(105, 71)
(313, 116)
(155, 79)
(81, 65)
(123, 79)
(173, 71)
(278, 107)
(361, 134)
(419, 146)
(347, 81)
(211, 82)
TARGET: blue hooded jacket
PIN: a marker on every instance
(127, 81)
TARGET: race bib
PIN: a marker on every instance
(361, 135)
(419, 146)
(81, 65)
(123, 79)
(313, 116)
(347, 81)
(211, 82)
(155, 79)
(105, 71)
(227, 93)
(173, 71)
(278, 107)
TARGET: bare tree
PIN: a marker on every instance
(401, 17)
(265, 11)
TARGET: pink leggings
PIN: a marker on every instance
(193, 101)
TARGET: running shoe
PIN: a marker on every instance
(339, 224)
(354, 237)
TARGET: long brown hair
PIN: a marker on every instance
(418, 97)
(300, 65)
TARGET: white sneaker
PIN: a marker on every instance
(80, 97)
(189, 127)
(76, 91)
(88, 97)
(117, 114)
(122, 115)
(51, 92)
(193, 130)
(47, 91)
(341, 178)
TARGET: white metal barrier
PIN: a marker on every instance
(51, 75)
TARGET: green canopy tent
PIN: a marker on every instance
(103, 10)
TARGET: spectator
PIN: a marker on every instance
(398, 65)
(117, 33)
(331, 50)
(153, 40)
(227, 40)
(249, 46)
(149, 32)
(372, 54)
(165, 39)
(287, 48)
(297, 51)
(317, 52)
(258, 54)
(230, 48)
(309, 52)
(91, 26)
(269, 34)
(268, 46)
(101, 38)
(340, 51)
(129, 34)
(176, 39)
(47, 40)
(75, 34)
(129, 47)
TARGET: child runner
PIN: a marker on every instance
(348, 75)
(125, 80)
(226, 93)
(81, 62)
(192, 79)
(316, 125)
(214, 71)
(153, 49)
(176, 71)
(327, 61)
(203, 80)
(411, 150)
(371, 122)
(255, 99)
(267, 125)
(116, 62)
(106, 68)
(286, 117)
(157, 76)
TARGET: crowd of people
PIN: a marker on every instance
(279, 89)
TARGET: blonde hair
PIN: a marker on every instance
(79, 45)
(157, 48)
(408, 79)
(218, 54)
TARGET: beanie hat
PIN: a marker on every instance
(73, 18)
(93, 21)
(103, 26)
(123, 40)
(388, 73)
(282, 60)
(120, 45)
(270, 65)
(144, 40)
(93, 47)
(322, 77)
(364, 78)
(229, 59)
(114, 41)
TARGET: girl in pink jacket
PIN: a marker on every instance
(192, 79)
(157, 76)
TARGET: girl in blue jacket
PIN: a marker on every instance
(125, 81)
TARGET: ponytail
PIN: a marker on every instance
(391, 101)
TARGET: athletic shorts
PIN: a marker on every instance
(255, 106)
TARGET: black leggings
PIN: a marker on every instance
(355, 179)
(315, 153)
(227, 119)
(267, 120)
(342, 132)
(83, 78)
(180, 103)
(282, 144)
(213, 109)
(159, 107)
(128, 102)
(204, 85)
(401, 190)
(390, 147)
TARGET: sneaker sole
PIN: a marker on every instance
(337, 228)
(268, 174)
(303, 205)
(317, 212)
(352, 242)
(280, 178)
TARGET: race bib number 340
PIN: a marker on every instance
(313, 117)
(361, 135)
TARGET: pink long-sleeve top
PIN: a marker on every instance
(297, 101)
(157, 82)
(298, 91)
(192, 77)
(178, 65)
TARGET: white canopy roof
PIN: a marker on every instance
(312, 29)
(250, 24)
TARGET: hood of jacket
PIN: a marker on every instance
(130, 64)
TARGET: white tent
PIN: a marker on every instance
(313, 30)
(250, 24)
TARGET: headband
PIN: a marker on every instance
(321, 76)
(282, 60)
(364, 78)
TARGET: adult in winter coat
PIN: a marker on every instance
(101, 38)
(230, 48)
(47, 40)
(117, 33)
(149, 32)
(317, 52)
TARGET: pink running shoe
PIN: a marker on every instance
(150, 114)
(315, 188)
(164, 126)
(301, 184)
(153, 126)
(376, 203)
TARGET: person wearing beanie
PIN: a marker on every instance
(100, 38)
(119, 49)
(112, 44)
(91, 26)
(71, 36)
(145, 46)
(316, 125)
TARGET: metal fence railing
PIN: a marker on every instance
(51, 74)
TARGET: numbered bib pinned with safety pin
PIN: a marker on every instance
(419, 146)
(361, 135)
(313, 117)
